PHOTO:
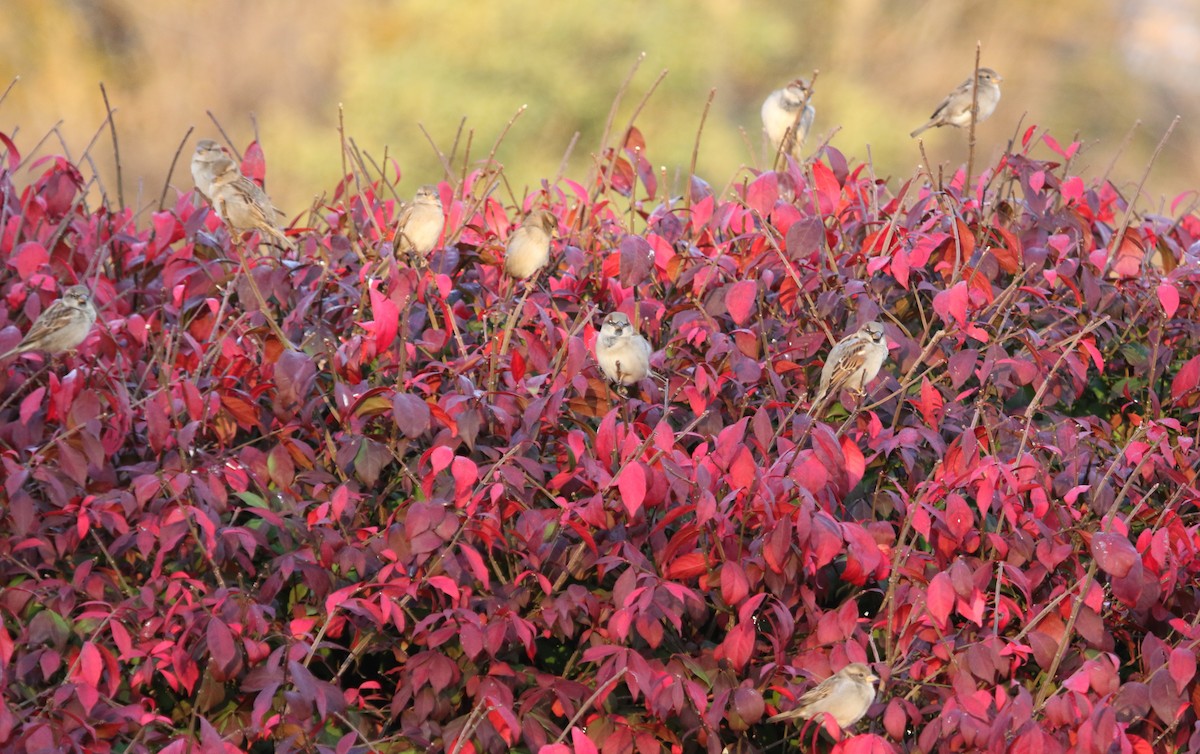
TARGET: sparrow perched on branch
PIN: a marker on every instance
(62, 326)
(845, 696)
(238, 201)
(208, 153)
(853, 362)
(420, 223)
(529, 245)
(623, 354)
(955, 110)
(244, 206)
(787, 116)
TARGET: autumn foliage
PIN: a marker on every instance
(428, 524)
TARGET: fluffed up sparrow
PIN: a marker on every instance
(62, 326)
(621, 351)
(420, 223)
(845, 696)
(238, 201)
(529, 245)
(853, 362)
(955, 110)
(208, 154)
(784, 121)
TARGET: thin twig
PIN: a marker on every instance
(974, 118)
(687, 189)
(229, 141)
(112, 126)
(162, 199)
(1120, 236)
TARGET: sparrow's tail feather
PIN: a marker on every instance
(921, 130)
(283, 241)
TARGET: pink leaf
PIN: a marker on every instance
(951, 304)
(1113, 553)
(387, 319)
(939, 598)
(632, 484)
(14, 157)
(763, 193)
(31, 403)
(28, 258)
(1168, 296)
(739, 300)
(737, 645)
(1182, 667)
(856, 464)
(828, 188)
(465, 473)
(1186, 378)
(734, 584)
(254, 165)
(220, 644)
(866, 743)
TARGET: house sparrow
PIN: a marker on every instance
(242, 204)
(845, 696)
(779, 117)
(529, 245)
(853, 362)
(208, 154)
(62, 326)
(420, 223)
(623, 354)
(955, 110)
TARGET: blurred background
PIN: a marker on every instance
(1086, 67)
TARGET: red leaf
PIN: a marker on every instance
(1182, 667)
(734, 584)
(31, 403)
(689, 566)
(951, 304)
(1113, 553)
(737, 645)
(743, 471)
(411, 414)
(930, 403)
(856, 464)
(865, 743)
(1168, 296)
(960, 520)
(632, 484)
(739, 300)
(221, 647)
(254, 165)
(91, 664)
(465, 474)
(1127, 262)
(895, 720)
(387, 319)
(939, 598)
(14, 157)
(762, 194)
(581, 742)
(828, 188)
(1186, 378)
(28, 258)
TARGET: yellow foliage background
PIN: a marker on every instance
(1092, 67)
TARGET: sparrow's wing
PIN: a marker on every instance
(803, 708)
(49, 321)
(819, 692)
(848, 361)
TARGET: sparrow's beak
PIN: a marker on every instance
(999, 77)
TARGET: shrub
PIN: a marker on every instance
(430, 525)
